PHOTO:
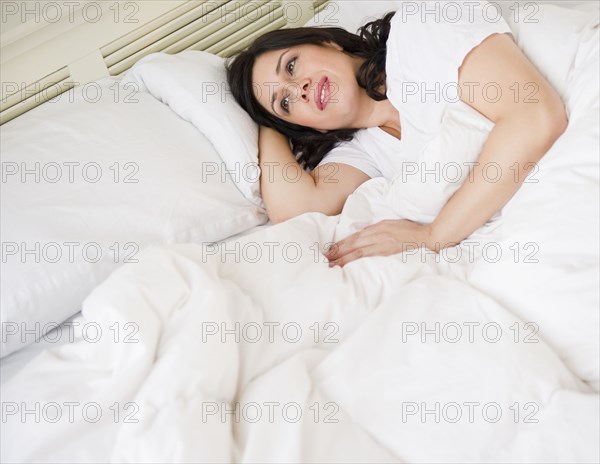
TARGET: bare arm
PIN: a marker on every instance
(288, 190)
(525, 129)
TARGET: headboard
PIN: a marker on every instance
(48, 47)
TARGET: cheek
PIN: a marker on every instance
(304, 120)
(345, 93)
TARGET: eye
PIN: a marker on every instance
(285, 104)
(290, 66)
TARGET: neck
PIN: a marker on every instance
(377, 114)
(373, 113)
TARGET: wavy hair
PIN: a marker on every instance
(309, 145)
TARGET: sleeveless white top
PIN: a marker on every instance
(426, 46)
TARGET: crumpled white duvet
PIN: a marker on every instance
(400, 359)
(254, 350)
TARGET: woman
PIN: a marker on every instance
(357, 106)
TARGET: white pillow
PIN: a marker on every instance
(118, 137)
(194, 85)
(550, 37)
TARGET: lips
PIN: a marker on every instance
(323, 93)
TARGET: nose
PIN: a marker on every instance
(302, 90)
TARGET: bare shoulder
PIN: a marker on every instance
(499, 81)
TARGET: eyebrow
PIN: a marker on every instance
(274, 96)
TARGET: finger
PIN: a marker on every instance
(350, 243)
(334, 250)
(331, 248)
(365, 243)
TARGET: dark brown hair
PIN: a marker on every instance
(309, 145)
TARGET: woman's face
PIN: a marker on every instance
(311, 85)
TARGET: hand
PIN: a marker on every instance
(384, 238)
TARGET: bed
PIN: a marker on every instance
(152, 313)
